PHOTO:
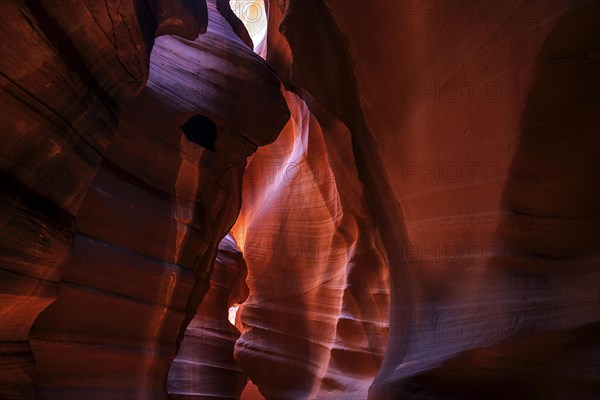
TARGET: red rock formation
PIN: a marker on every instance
(424, 227)
(155, 212)
(474, 136)
(315, 322)
(204, 367)
(175, 200)
(64, 73)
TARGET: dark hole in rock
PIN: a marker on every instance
(201, 130)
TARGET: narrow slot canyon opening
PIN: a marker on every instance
(397, 203)
(232, 313)
(253, 15)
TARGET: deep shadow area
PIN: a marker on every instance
(201, 130)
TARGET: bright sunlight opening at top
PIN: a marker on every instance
(253, 14)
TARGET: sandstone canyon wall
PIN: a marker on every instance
(318, 306)
(412, 192)
(476, 138)
(204, 366)
(123, 229)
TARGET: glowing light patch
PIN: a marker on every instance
(254, 16)
(232, 314)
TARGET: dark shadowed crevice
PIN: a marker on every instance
(201, 130)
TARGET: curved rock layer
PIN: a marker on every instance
(204, 367)
(474, 134)
(147, 229)
(64, 73)
(315, 322)
(425, 226)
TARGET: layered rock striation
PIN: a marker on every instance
(120, 228)
(411, 191)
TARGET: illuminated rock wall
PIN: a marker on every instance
(414, 187)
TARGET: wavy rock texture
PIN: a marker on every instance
(204, 367)
(147, 229)
(315, 322)
(64, 73)
(425, 226)
(474, 136)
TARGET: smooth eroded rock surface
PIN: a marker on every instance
(413, 190)
(315, 322)
(64, 74)
(146, 225)
(204, 367)
(474, 133)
